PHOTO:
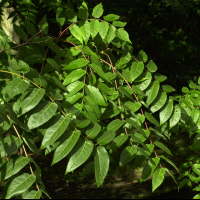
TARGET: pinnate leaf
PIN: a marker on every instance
(136, 70)
(83, 11)
(32, 100)
(33, 195)
(101, 161)
(111, 17)
(127, 155)
(19, 185)
(98, 11)
(166, 111)
(42, 113)
(111, 34)
(93, 130)
(103, 29)
(58, 127)
(63, 150)
(94, 27)
(158, 178)
(81, 154)
(13, 167)
(152, 92)
(123, 35)
(76, 64)
(15, 87)
(43, 25)
(76, 32)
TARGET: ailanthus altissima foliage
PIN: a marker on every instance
(83, 96)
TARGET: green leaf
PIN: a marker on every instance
(43, 25)
(73, 88)
(93, 105)
(76, 32)
(160, 77)
(146, 80)
(53, 63)
(20, 32)
(19, 185)
(85, 30)
(115, 125)
(105, 89)
(19, 66)
(163, 147)
(71, 15)
(3, 114)
(94, 27)
(196, 196)
(117, 142)
(76, 64)
(159, 102)
(98, 11)
(15, 87)
(171, 174)
(158, 178)
(127, 155)
(138, 140)
(60, 16)
(9, 145)
(30, 27)
(125, 58)
(197, 188)
(136, 70)
(151, 119)
(123, 35)
(166, 112)
(13, 167)
(30, 143)
(102, 162)
(132, 106)
(142, 56)
(124, 91)
(103, 29)
(168, 88)
(42, 113)
(175, 117)
(74, 76)
(93, 130)
(83, 11)
(111, 34)
(64, 149)
(105, 137)
(89, 168)
(152, 92)
(182, 183)
(170, 162)
(80, 156)
(134, 124)
(151, 66)
(94, 94)
(100, 72)
(111, 17)
(33, 195)
(32, 100)
(57, 128)
(89, 113)
(119, 24)
(149, 168)
(71, 100)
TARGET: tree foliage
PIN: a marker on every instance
(83, 95)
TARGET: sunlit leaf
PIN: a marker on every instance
(158, 178)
